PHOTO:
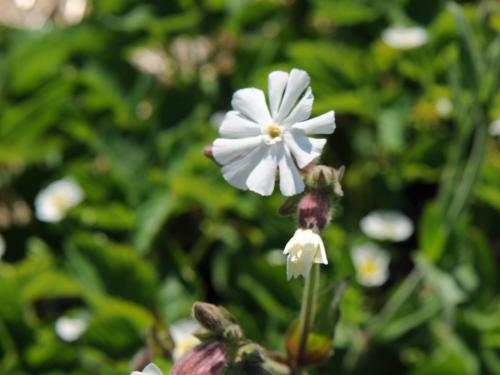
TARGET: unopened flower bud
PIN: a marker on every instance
(233, 332)
(211, 317)
(321, 176)
(208, 152)
(208, 358)
(314, 210)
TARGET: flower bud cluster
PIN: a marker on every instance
(223, 348)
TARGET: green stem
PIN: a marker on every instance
(397, 300)
(307, 310)
(471, 174)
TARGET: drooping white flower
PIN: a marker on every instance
(150, 369)
(2, 246)
(371, 264)
(303, 249)
(400, 37)
(494, 128)
(182, 333)
(70, 329)
(52, 203)
(257, 140)
(387, 225)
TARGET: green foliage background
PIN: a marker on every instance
(159, 227)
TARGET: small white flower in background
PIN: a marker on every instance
(387, 226)
(444, 106)
(2, 246)
(52, 203)
(495, 128)
(73, 11)
(25, 4)
(70, 329)
(182, 333)
(303, 249)
(371, 264)
(150, 60)
(257, 140)
(400, 37)
(150, 369)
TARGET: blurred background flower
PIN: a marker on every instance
(387, 226)
(371, 264)
(401, 37)
(52, 203)
(70, 328)
(182, 333)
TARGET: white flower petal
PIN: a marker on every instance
(302, 110)
(2, 246)
(290, 179)
(237, 172)
(70, 329)
(401, 37)
(150, 369)
(301, 266)
(262, 178)
(324, 124)
(226, 150)
(494, 128)
(251, 103)
(387, 225)
(371, 264)
(320, 256)
(276, 86)
(52, 203)
(304, 149)
(298, 81)
(236, 126)
(182, 333)
(302, 250)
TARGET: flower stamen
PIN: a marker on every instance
(274, 130)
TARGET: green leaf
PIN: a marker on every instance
(432, 234)
(150, 218)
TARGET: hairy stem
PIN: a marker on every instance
(307, 311)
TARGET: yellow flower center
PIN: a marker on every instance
(59, 201)
(368, 267)
(274, 130)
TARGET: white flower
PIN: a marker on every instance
(182, 333)
(73, 11)
(444, 106)
(387, 225)
(303, 249)
(495, 128)
(256, 141)
(2, 246)
(52, 203)
(70, 329)
(150, 369)
(371, 264)
(401, 37)
(24, 4)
